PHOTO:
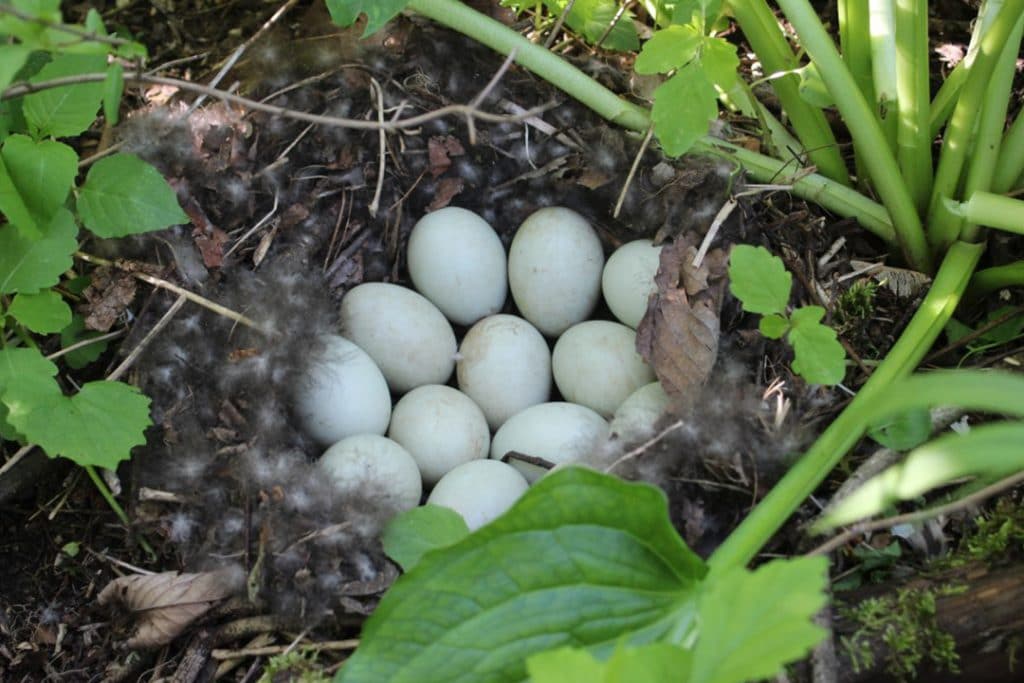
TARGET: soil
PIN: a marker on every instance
(287, 217)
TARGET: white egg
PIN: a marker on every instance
(456, 260)
(342, 393)
(558, 432)
(554, 269)
(504, 366)
(628, 280)
(441, 428)
(636, 416)
(406, 335)
(480, 491)
(374, 466)
(595, 364)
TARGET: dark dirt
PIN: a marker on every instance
(283, 227)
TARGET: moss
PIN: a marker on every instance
(907, 625)
(297, 666)
(857, 303)
(998, 534)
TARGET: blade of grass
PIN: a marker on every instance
(913, 142)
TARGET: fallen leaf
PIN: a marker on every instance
(109, 293)
(208, 238)
(165, 604)
(440, 149)
(447, 188)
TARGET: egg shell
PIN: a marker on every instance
(405, 334)
(554, 269)
(480, 491)
(342, 393)
(504, 366)
(636, 416)
(595, 364)
(558, 432)
(457, 261)
(441, 428)
(628, 280)
(375, 466)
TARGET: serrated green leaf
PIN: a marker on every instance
(113, 88)
(668, 49)
(818, 356)
(84, 355)
(42, 313)
(592, 19)
(753, 623)
(69, 109)
(29, 265)
(759, 280)
(773, 326)
(409, 536)
(565, 665)
(123, 195)
(720, 62)
(35, 179)
(12, 58)
(97, 426)
(684, 107)
(579, 560)
(378, 12)
(904, 431)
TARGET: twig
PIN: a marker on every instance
(270, 650)
(382, 148)
(259, 224)
(642, 448)
(119, 371)
(85, 342)
(709, 237)
(556, 29)
(632, 172)
(17, 457)
(974, 334)
(487, 89)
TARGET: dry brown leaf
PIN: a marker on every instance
(165, 604)
(447, 188)
(440, 149)
(108, 294)
(679, 334)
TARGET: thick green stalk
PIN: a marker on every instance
(855, 45)
(1011, 157)
(882, 23)
(913, 142)
(985, 146)
(991, 210)
(802, 478)
(761, 28)
(864, 128)
(943, 227)
(993, 279)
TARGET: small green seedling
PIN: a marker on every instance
(762, 284)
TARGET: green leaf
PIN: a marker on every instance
(43, 313)
(123, 195)
(378, 12)
(759, 280)
(84, 355)
(565, 665)
(668, 49)
(113, 88)
(35, 179)
(904, 431)
(650, 663)
(579, 560)
(30, 32)
(69, 109)
(773, 326)
(753, 623)
(592, 19)
(812, 88)
(720, 62)
(97, 426)
(684, 107)
(29, 265)
(818, 356)
(412, 534)
(12, 58)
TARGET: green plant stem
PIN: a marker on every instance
(866, 132)
(115, 506)
(992, 210)
(854, 43)
(993, 279)
(1011, 158)
(800, 481)
(761, 29)
(882, 23)
(913, 142)
(944, 227)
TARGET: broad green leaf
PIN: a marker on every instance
(12, 204)
(753, 623)
(812, 88)
(31, 33)
(69, 109)
(818, 356)
(903, 431)
(82, 356)
(412, 534)
(36, 178)
(592, 19)
(759, 280)
(113, 88)
(651, 663)
(668, 49)
(123, 195)
(684, 107)
(720, 62)
(28, 265)
(378, 12)
(12, 58)
(565, 665)
(581, 559)
(773, 326)
(43, 313)
(990, 450)
(97, 426)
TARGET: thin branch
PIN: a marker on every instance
(382, 148)
(119, 371)
(632, 171)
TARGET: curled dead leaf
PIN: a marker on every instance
(164, 605)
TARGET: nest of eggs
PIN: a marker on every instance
(289, 219)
